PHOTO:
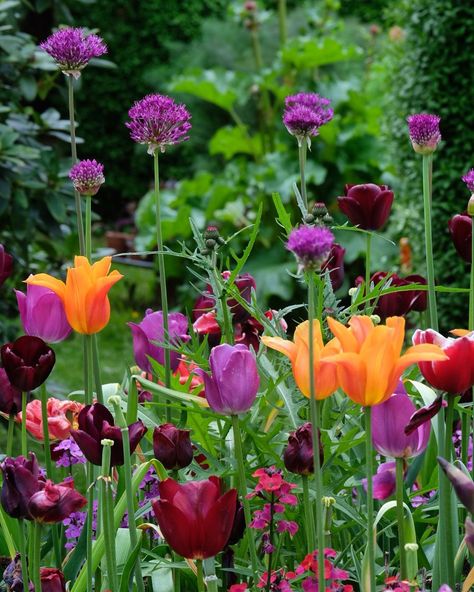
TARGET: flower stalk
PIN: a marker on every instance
(427, 191)
(106, 502)
(24, 445)
(11, 431)
(36, 559)
(445, 500)
(309, 516)
(368, 252)
(400, 517)
(370, 499)
(302, 151)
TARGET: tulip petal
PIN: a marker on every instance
(285, 347)
(90, 448)
(48, 281)
(178, 529)
(351, 374)
(220, 518)
(343, 335)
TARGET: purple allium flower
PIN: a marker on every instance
(72, 49)
(311, 245)
(468, 178)
(304, 114)
(158, 121)
(87, 176)
(424, 132)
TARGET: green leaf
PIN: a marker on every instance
(234, 140)
(218, 88)
(308, 52)
(283, 217)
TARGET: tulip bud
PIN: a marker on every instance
(172, 447)
(298, 455)
(463, 485)
(6, 265)
(10, 396)
(470, 206)
(366, 206)
(52, 580)
(54, 502)
(469, 538)
(238, 527)
(21, 480)
(28, 362)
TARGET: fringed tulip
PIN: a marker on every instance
(367, 206)
(55, 502)
(325, 375)
(172, 447)
(371, 363)
(194, 517)
(62, 417)
(454, 374)
(21, 480)
(28, 362)
(84, 294)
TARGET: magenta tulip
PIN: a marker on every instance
(384, 481)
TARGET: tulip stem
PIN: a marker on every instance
(11, 430)
(221, 294)
(24, 446)
(302, 149)
(400, 517)
(368, 250)
(471, 287)
(427, 177)
(282, 21)
(199, 575)
(162, 272)
(106, 502)
(243, 494)
(370, 499)
(23, 554)
(446, 501)
(36, 559)
(89, 519)
(96, 368)
(309, 516)
(77, 197)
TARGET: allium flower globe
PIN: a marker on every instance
(468, 178)
(311, 245)
(304, 114)
(87, 176)
(424, 132)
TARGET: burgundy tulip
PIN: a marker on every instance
(194, 517)
(238, 526)
(298, 455)
(21, 480)
(460, 228)
(423, 415)
(334, 264)
(10, 396)
(96, 423)
(367, 206)
(28, 362)
(52, 580)
(172, 447)
(55, 502)
(6, 265)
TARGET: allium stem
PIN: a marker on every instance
(370, 498)
(11, 431)
(77, 197)
(302, 150)
(36, 559)
(445, 503)
(471, 290)
(308, 516)
(24, 445)
(315, 414)
(427, 176)
(368, 252)
(242, 487)
(162, 272)
(400, 517)
(106, 502)
(282, 21)
(23, 554)
(88, 227)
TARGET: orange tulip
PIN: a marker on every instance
(325, 375)
(371, 365)
(84, 294)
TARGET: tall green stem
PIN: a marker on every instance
(368, 252)
(77, 197)
(11, 431)
(302, 150)
(471, 290)
(282, 21)
(308, 517)
(36, 559)
(427, 175)
(446, 502)
(199, 576)
(243, 494)
(107, 511)
(88, 370)
(96, 367)
(24, 445)
(315, 413)
(400, 486)
(89, 520)
(23, 553)
(370, 498)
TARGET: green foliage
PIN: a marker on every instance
(429, 71)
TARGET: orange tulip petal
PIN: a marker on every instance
(378, 357)
(285, 347)
(361, 327)
(97, 304)
(397, 324)
(48, 281)
(78, 285)
(460, 332)
(343, 335)
(301, 369)
(101, 268)
(351, 374)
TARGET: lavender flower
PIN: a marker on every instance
(87, 176)
(424, 132)
(469, 180)
(68, 453)
(311, 245)
(74, 524)
(158, 121)
(72, 49)
(304, 114)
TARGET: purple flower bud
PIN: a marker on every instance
(334, 264)
(10, 396)
(468, 178)
(305, 113)
(388, 422)
(21, 480)
(148, 338)
(54, 502)
(311, 245)
(172, 447)
(72, 49)
(28, 362)
(156, 120)
(367, 206)
(298, 454)
(462, 483)
(460, 229)
(234, 383)
(384, 481)
(6, 265)
(42, 314)
(445, 588)
(87, 176)
(424, 132)
(52, 580)
(469, 537)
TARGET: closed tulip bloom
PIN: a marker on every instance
(6, 265)
(388, 424)
(62, 416)
(334, 264)
(371, 363)
(234, 383)
(325, 375)
(21, 480)
(28, 362)
(54, 502)
(172, 447)
(10, 396)
(52, 580)
(42, 314)
(194, 517)
(460, 229)
(84, 295)
(367, 206)
(298, 454)
(97, 423)
(454, 374)
(462, 483)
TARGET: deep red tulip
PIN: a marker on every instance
(298, 454)
(21, 480)
(96, 423)
(10, 396)
(28, 362)
(54, 502)
(52, 580)
(6, 265)
(456, 374)
(460, 228)
(172, 447)
(195, 519)
(335, 265)
(367, 206)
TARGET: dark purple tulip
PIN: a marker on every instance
(149, 334)
(172, 447)
(424, 414)
(52, 580)
(42, 314)
(298, 454)
(469, 538)
(367, 206)
(21, 480)
(10, 396)
(234, 383)
(55, 502)
(6, 265)
(462, 483)
(460, 228)
(96, 423)
(388, 424)
(28, 362)
(419, 298)
(335, 265)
